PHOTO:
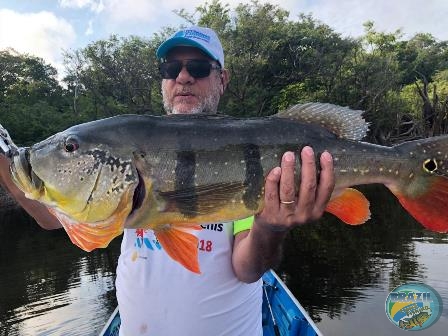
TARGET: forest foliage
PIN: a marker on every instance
(274, 60)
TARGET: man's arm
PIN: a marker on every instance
(38, 211)
(260, 248)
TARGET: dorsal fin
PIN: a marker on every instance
(342, 121)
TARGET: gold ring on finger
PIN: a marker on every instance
(287, 202)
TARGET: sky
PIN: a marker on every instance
(46, 28)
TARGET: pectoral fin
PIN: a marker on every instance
(89, 236)
(181, 245)
(350, 206)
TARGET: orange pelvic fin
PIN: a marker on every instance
(181, 245)
(430, 207)
(89, 236)
(350, 206)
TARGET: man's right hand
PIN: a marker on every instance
(37, 210)
(7, 146)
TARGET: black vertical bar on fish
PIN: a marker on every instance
(185, 172)
(254, 176)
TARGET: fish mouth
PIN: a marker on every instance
(23, 175)
(139, 194)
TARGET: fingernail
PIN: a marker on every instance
(289, 156)
(326, 156)
(277, 171)
(307, 150)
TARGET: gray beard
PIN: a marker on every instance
(208, 106)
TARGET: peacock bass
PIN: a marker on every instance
(172, 173)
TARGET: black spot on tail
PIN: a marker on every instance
(254, 176)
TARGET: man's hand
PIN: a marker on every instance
(34, 208)
(260, 248)
(285, 207)
(7, 146)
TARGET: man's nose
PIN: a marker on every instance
(184, 76)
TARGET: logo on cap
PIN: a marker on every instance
(194, 34)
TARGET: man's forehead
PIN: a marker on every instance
(186, 52)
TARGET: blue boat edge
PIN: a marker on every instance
(112, 326)
(282, 314)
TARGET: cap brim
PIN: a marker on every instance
(166, 46)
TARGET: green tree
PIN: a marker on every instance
(372, 81)
(27, 78)
(114, 76)
(266, 52)
(32, 103)
(422, 55)
(274, 61)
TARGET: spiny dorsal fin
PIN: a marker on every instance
(342, 121)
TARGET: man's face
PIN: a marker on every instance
(186, 94)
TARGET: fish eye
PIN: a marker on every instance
(430, 165)
(71, 144)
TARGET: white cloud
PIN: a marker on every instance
(132, 10)
(94, 6)
(89, 30)
(344, 16)
(40, 34)
(347, 16)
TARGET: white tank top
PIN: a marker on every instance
(157, 296)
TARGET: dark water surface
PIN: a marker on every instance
(341, 275)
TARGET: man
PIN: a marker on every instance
(156, 295)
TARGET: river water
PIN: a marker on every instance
(340, 274)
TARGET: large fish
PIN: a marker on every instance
(174, 172)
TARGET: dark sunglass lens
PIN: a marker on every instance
(198, 68)
(170, 70)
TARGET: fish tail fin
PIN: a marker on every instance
(426, 200)
(403, 325)
(424, 192)
(181, 245)
(89, 236)
(350, 206)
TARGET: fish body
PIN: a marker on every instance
(415, 321)
(171, 173)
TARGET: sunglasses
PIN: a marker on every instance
(196, 68)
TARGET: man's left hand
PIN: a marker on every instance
(285, 207)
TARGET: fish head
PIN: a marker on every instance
(83, 174)
(427, 160)
(422, 187)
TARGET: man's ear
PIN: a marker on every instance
(225, 78)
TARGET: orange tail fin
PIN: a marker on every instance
(351, 206)
(181, 245)
(430, 208)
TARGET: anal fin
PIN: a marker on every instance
(350, 206)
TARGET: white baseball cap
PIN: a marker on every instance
(202, 38)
